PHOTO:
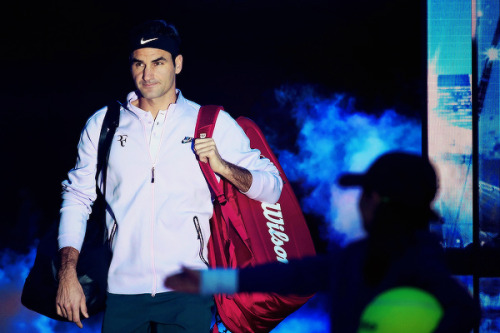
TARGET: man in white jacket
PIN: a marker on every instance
(156, 194)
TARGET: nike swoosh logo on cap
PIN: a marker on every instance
(147, 40)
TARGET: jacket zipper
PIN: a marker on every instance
(152, 247)
(200, 237)
(152, 222)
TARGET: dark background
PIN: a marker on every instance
(63, 60)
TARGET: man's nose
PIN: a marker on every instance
(147, 74)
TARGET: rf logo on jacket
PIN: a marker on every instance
(123, 139)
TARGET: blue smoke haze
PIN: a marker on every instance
(333, 137)
(14, 317)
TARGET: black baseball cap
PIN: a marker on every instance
(398, 177)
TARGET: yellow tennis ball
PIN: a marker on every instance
(402, 309)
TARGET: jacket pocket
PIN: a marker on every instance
(200, 238)
(112, 234)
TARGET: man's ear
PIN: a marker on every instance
(178, 63)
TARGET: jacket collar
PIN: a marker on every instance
(132, 96)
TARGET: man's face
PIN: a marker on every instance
(153, 72)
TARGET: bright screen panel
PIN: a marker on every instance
(450, 116)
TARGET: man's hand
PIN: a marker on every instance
(187, 281)
(70, 300)
(207, 152)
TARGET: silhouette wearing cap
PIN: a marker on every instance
(401, 180)
(399, 251)
(395, 205)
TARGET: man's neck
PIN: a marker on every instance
(155, 105)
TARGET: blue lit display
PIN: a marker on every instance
(454, 29)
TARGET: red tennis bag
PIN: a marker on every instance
(246, 232)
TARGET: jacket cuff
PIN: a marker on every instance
(266, 186)
(72, 227)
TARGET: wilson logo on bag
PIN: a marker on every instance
(245, 232)
(276, 226)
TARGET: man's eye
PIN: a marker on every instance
(158, 63)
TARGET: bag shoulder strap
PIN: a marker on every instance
(108, 129)
(205, 124)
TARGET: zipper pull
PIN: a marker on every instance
(153, 175)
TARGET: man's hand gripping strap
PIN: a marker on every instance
(205, 125)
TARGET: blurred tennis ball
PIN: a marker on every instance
(402, 309)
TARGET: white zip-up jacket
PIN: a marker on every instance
(155, 190)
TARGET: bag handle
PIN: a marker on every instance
(205, 124)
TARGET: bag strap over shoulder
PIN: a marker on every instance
(108, 129)
(205, 124)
